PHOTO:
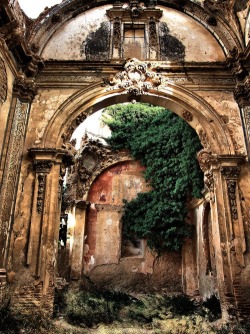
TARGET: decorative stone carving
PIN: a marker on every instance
(136, 79)
(187, 115)
(153, 42)
(80, 118)
(231, 187)
(3, 82)
(40, 193)
(206, 158)
(43, 166)
(10, 175)
(25, 90)
(231, 175)
(246, 115)
(12, 32)
(230, 172)
(91, 160)
(117, 33)
(204, 139)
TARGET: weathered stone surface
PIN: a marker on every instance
(199, 51)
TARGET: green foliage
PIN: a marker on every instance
(91, 308)
(14, 321)
(151, 307)
(166, 145)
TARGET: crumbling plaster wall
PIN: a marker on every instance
(225, 105)
(103, 262)
(43, 108)
(198, 43)
(67, 42)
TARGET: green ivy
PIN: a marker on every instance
(166, 145)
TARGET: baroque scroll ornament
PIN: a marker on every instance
(136, 79)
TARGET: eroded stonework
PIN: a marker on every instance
(191, 57)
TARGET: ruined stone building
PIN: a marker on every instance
(189, 56)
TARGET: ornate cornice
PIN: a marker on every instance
(64, 155)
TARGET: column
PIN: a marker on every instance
(78, 240)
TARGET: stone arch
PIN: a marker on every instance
(52, 19)
(210, 128)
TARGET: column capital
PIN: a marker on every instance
(231, 160)
(24, 89)
(54, 155)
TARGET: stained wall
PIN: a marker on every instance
(104, 262)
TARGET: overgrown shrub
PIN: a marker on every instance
(13, 321)
(152, 307)
(166, 145)
(183, 325)
(91, 308)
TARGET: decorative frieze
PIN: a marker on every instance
(153, 40)
(43, 166)
(3, 82)
(246, 118)
(117, 33)
(231, 188)
(230, 172)
(231, 175)
(13, 158)
(40, 192)
(12, 165)
(80, 118)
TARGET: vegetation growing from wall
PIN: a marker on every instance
(166, 145)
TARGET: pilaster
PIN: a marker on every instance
(11, 158)
(221, 180)
(45, 219)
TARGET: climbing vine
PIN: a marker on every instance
(166, 145)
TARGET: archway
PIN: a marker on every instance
(216, 159)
